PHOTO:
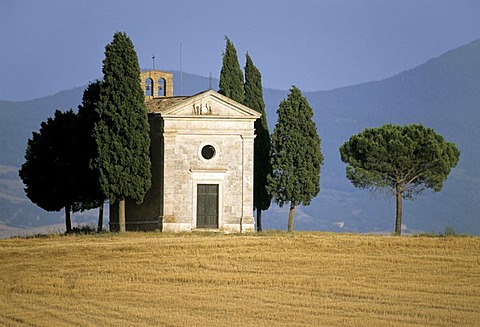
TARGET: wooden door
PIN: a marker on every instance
(207, 206)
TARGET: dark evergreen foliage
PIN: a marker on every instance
(89, 188)
(296, 156)
(262, 145)
(50, 169)
(122, 131)
(231, 76)
(404, 160)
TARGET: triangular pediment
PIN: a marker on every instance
(208, 104)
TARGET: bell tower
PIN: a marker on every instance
(156, 83)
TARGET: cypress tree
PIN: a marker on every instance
(231, 76)
(296, 155)
(89, 188)
(122, 131)
(262, 145)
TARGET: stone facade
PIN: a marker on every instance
(157, 83)
(198, 143)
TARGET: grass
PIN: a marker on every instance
(271, 279)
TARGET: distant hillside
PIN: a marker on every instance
(17, 122)
(442, 93)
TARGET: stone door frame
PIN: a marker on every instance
(215, 177)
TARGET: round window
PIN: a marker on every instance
(208, 152)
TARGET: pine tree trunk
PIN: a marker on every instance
(68, 219)
(259, 220)
(121, 215)
(291, 214)
(100, 216)
(398, 220)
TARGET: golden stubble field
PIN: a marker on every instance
(273, 279)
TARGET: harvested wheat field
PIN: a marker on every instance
(272, 279)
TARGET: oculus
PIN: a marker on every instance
(208, 152)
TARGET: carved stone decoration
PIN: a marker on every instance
(197, 109)
(202, 109)
(208, 108)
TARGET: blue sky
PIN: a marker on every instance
(53, 45)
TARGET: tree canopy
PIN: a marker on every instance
(404, 160)
(50, 170)
(231, 76)
(262, 143)
(296, 156)
(122, 131)
(90, 190)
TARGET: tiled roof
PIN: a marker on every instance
(159, 104)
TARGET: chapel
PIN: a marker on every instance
(202, 162)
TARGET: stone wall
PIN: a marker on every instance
(155, 76)
(231, 168)
(146, 216)
(179, 132)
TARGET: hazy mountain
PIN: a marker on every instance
(442, 93)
